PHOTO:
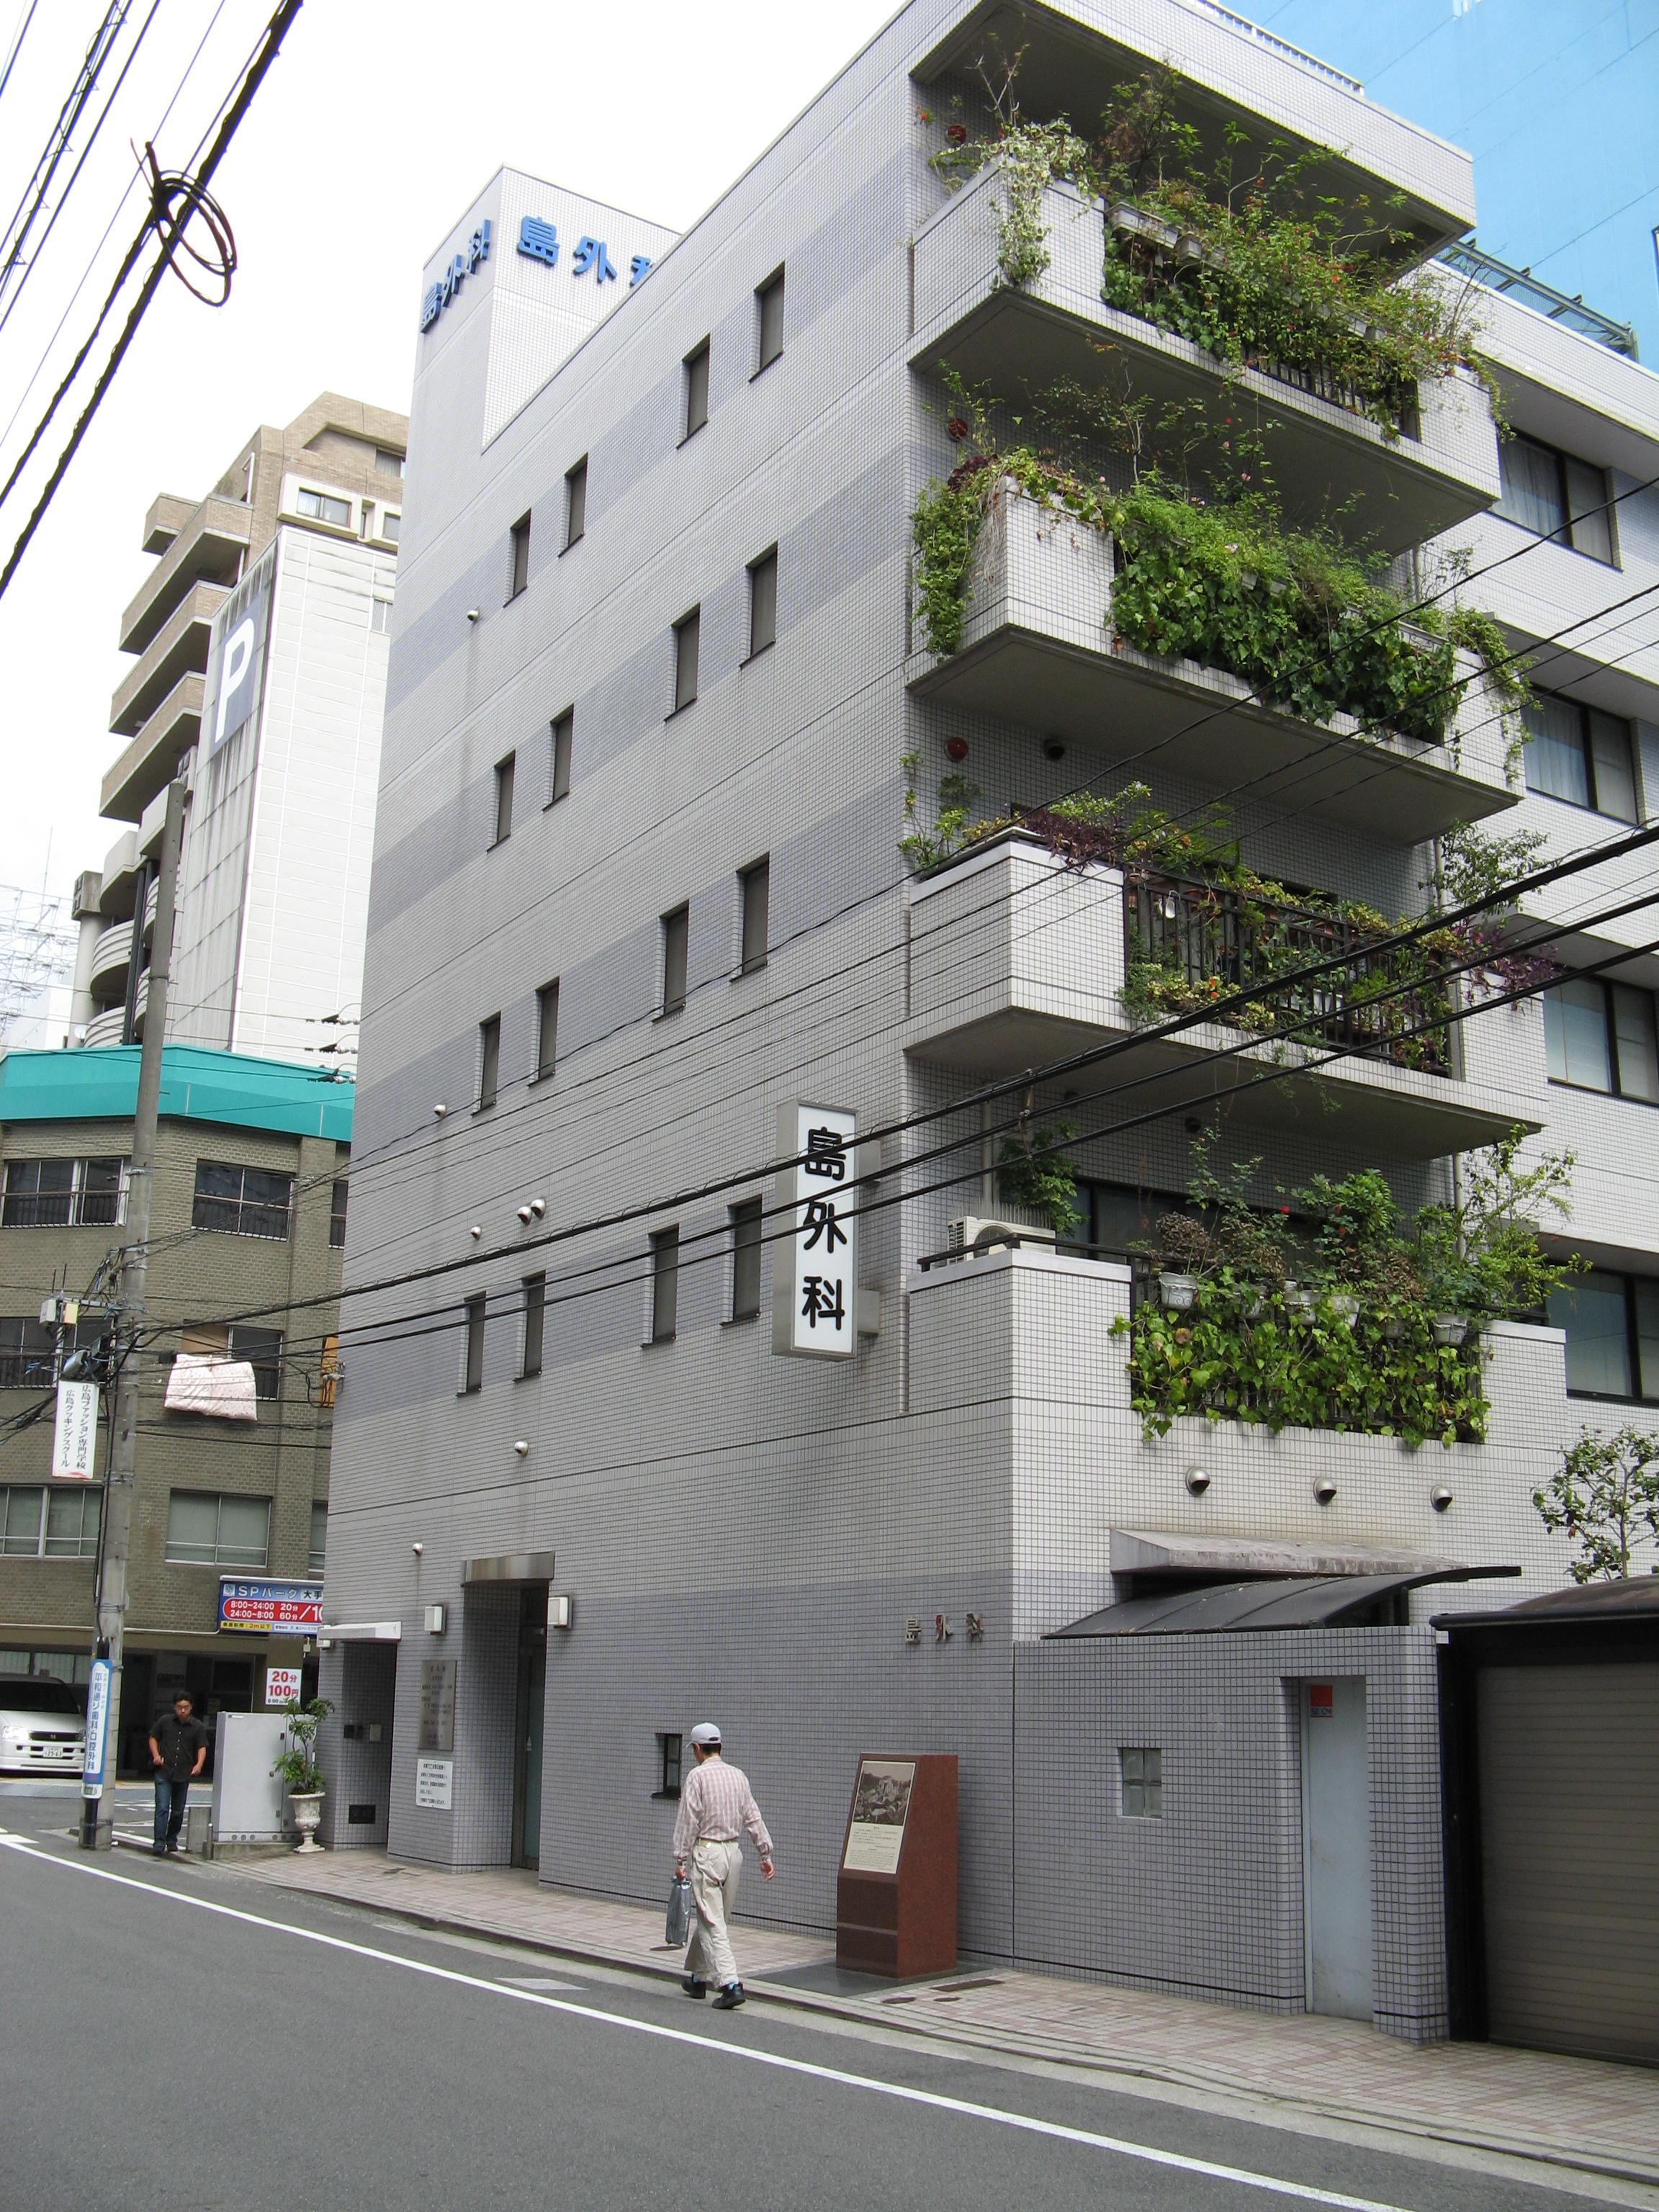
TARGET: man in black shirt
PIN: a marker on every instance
(178, 1750)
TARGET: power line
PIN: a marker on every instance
(20, 222)
(191, 195)
(1237, 1000)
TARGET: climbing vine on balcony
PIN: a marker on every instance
(1299, 617)
(1355, 1328)
(1241, 253)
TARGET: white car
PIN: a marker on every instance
(43, 1729)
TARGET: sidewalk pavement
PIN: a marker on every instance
(1577, 2112)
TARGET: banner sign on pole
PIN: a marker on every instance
(92, 1770)
(75, 1439)
(814, 1275)
(257, 1606)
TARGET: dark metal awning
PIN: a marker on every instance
(1635, 1597)
(1293, 1601)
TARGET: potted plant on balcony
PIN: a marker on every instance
(1184, 1250)
(296, 1763)
(1035, 1173)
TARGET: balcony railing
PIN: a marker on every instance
(1185, 939)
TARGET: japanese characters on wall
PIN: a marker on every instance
(538, 240)
(815, 1274)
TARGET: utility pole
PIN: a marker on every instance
(115, 1532)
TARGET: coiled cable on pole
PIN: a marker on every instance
(176, 200)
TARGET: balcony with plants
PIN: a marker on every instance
(1107, 928)
(1187, 269)
(1161, 618)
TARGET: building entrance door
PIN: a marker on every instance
(1336, 1847)
(529, 1709)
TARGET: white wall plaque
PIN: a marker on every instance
(435, 1782)
(75, 1439)
(815, 1274)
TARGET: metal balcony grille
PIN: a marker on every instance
(1198, 934)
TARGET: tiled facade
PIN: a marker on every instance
(745, 1535)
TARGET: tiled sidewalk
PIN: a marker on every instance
(1573, 2111)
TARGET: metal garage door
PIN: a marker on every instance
(1569, 1781)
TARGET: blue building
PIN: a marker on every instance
(1557, 104)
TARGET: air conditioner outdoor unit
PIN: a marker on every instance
(973, 1233)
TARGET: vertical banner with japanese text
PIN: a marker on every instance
(814, 1275)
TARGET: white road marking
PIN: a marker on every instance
(537, 1981)
(901, 2092)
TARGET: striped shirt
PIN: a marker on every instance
(716, 1802)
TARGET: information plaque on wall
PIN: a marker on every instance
(437, 1704)
(895, 1894)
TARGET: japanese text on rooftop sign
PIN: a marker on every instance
(814, 1275)
(588, 258)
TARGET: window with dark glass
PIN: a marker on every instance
(575, 501)
(1602, 1036)
(764, 601)
(697, 390)
(263, 1349)
(664, 1284)
(324, 507)
(1556, 496)
(489, 1060)
(754, 888)
(670, 1761)
(61, 1194)
(769, 321)
(506, 773)
(746, 1218)
(1612, 1324)
(676, 949)
(1579, 754)
(687, 637)
(1141, 1771)
(337, 1212)
(473, 1345)
(389, 464)
(28, 1349)
(547, 1028)
(563, 732)
(317, 1553)
(244, 1201)
(535, 1323)
(518, 572)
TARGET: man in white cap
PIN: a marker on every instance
(716, 1804)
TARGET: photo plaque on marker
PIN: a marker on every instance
(895, 1896)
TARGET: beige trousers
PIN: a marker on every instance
(715, 1871)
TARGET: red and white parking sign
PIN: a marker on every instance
(282, 1685)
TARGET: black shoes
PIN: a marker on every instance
(730, 1997)
(693, 1987)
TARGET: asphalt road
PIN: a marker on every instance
(175, 2035)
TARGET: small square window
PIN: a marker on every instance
(562, 735)
(665, 1285)
(506, 771)
(671, 1761)
(489, 1060)
(746, 1237)
(755, 887)
(697, 390)
(535, 1323)
(676, 951)
(473, 1346)
(1142, 1771)
(389, 464)
(768, 320)
(547, 1029)
(575, 501)
(518, 571)
(687, 642)
(763, 602)
(391, 526)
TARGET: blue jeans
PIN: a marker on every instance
(170, 1797)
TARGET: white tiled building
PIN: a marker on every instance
(653, 686)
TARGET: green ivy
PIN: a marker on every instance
(1035, 1171)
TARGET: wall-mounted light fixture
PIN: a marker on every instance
(437, 1618)
(561, 1608)
(522, 1447)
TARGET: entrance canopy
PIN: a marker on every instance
(1282, 1601)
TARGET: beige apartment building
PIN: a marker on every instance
(259, 651)
(248, 1219)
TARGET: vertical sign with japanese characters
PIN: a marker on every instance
(814, 1277)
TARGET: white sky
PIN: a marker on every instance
(376, 127)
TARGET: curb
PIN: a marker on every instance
(1016, 2043)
